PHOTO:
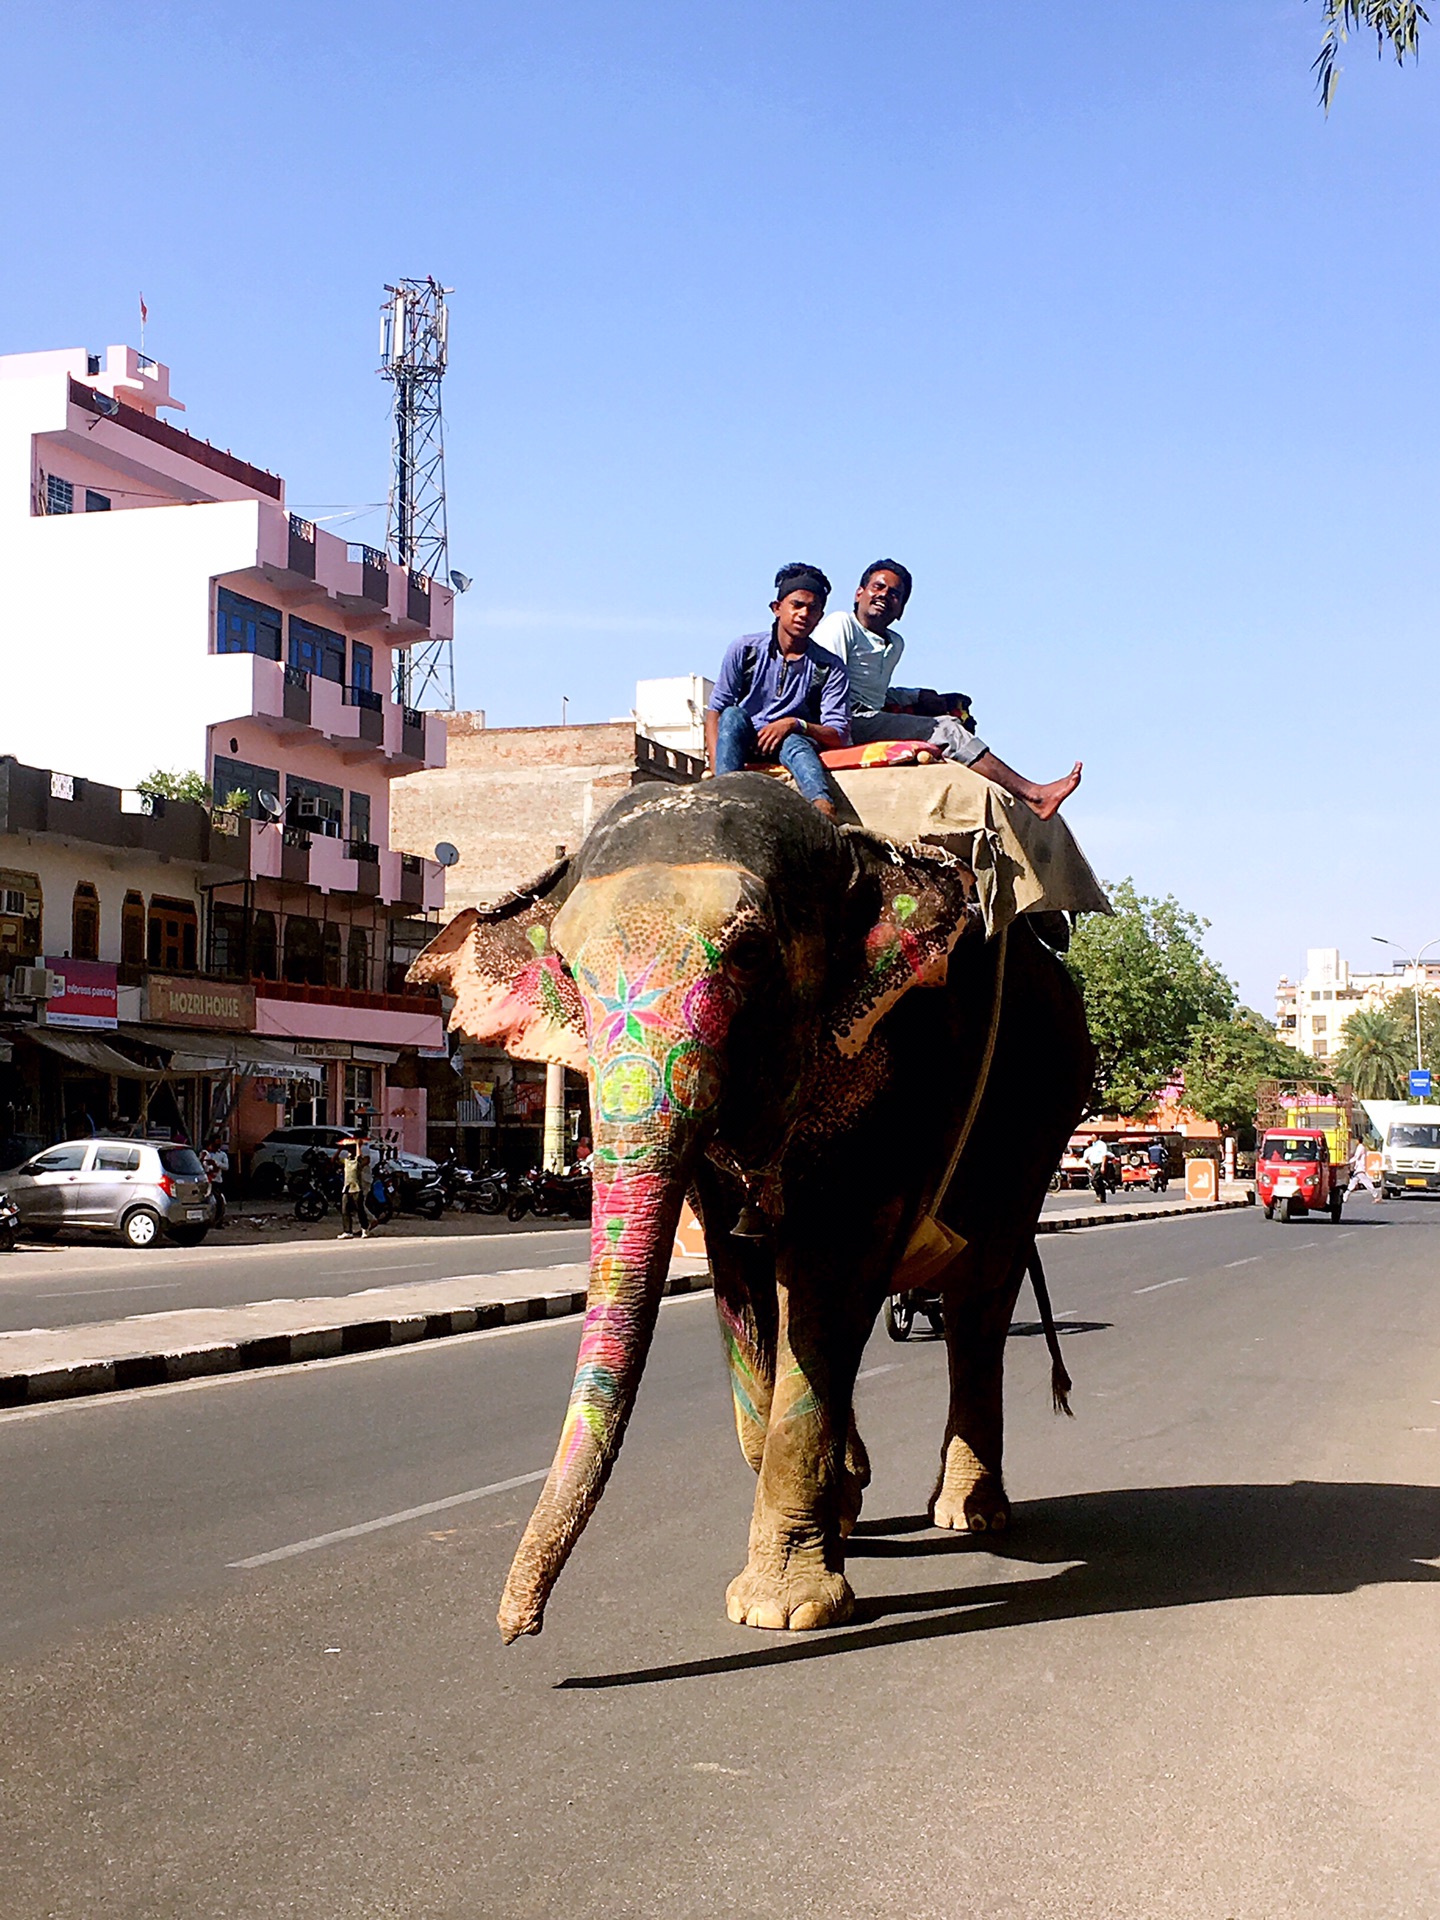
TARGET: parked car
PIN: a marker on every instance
(136, 1188)
(282, 1153)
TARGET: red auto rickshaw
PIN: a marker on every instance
(1295, 1174)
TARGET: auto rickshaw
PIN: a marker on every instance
(1295, 1175)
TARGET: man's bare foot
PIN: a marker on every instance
(827, 807)
(1047, 800)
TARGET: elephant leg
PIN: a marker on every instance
(854, 1478)
(794, 1576)
(743, 1275)
(970, 1493)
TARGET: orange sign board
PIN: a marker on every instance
(228, 1004)
(1200, 1180)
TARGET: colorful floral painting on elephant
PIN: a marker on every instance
(805, 1029)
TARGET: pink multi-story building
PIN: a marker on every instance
(166, 611)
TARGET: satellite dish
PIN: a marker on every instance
(447, 855)
(460, 581)
(107, 404)
(270, 803)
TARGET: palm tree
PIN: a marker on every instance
(1375, 1057)
(1394, 23)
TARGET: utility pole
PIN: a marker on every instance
(1415, 979)
(414, 327)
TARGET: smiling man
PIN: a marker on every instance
(870, 645)
(780, 697)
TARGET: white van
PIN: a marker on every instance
(1411, 1159)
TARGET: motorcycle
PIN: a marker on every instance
(9, 1223)
(316, 1185)
(396, 1190)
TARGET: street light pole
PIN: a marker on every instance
(1415, 963)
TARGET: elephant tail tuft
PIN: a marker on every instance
(1060, 1381)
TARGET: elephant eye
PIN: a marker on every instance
(747, 955)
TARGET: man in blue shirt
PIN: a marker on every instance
(779, 696)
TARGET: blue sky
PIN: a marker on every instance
(1086, 314)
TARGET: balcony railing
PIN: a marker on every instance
(297, 677)
(363, 697)
(296, 837)
(414, 718)
(363, 850)
(301, 547)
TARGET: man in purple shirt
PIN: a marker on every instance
(779, 696)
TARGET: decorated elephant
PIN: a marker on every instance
(805, 1028)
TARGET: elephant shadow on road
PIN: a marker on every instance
(1126, 1551)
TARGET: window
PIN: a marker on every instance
(227, 939)
(240, 776)
(317, 650)
(1322, 1050)
(62, 1159)
(174, 935)
(264, 955)
(332, 954)
(357, 960)
(132, 930)
(96, 502)
(245, 626)
(362, 664)
(59, 494)
(19, 914)
(314, 806)
(110, 1159)
(304, 960)
(183, 1161)
(360, 816)
(1318, 1022)
(85, 923)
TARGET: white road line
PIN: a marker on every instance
(389, 1520)
(869, 1373)
(1248, 1261)
(88, 1293)
(1178, 1281)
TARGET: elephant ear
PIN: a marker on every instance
(509, 985)
(914, 904)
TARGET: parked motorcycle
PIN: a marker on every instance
(902, 1310)
(316, 1185)
(397, 1190)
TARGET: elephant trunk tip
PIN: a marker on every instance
(519, 1613)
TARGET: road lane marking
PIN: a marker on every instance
(869, 1373)
(1178, 1281)
(88, 1293)
(389, 1520)
(1248, 1261)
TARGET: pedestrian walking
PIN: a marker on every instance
(1360, 1174)
(1097, 1159)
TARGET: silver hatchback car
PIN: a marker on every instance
(135, 1188)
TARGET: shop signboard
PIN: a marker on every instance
(90, 994)
(227, 1005)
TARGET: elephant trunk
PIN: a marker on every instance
(631, 1238)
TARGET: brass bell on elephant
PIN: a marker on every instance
(751, 1225)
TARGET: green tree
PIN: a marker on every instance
(1148, 984)
(1227, 1060)
(1394, 23)
(180, 785)
(1376, 1053)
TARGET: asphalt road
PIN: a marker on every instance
(84, 1278)
(74, 1281)
(1197, 1679)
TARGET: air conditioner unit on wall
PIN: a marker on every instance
(34, 983)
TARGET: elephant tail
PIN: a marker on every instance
(1060, 1381)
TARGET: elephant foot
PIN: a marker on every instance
(799, 1599)
(969, 1499)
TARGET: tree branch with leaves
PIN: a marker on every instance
(1395, 24)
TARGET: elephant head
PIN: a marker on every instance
(707, 954)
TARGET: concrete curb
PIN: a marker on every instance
(331, 1333)
(127, 1372)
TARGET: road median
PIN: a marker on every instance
(158, 1349)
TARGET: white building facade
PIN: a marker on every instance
(1311, 1012)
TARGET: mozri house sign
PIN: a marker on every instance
(200, 1003)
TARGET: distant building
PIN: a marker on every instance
(673, 711)
(1311, 1012)
(166, 610)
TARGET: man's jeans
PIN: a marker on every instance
(736, 744)
(944, 731)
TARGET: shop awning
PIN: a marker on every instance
(224, 1053)
(95, 1056)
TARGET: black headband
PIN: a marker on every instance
(799, 578)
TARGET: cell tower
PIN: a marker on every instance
(413, 327)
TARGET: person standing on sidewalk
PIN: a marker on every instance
(354, 1220)
(1097, 1159)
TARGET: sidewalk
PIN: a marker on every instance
(111, 1356)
